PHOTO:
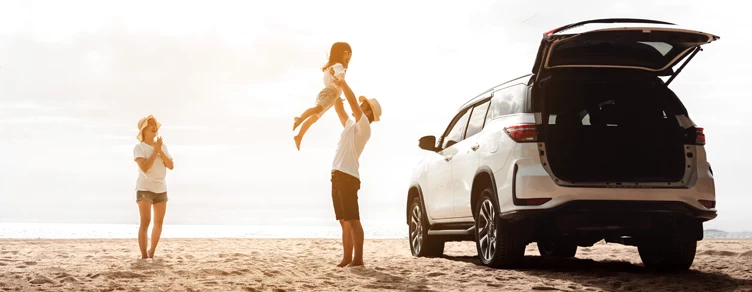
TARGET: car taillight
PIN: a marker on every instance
(708, 204)
(522, 133)
(699, 136)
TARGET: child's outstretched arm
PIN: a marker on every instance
(340, 109)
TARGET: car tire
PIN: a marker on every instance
(421, 244)
(498, 242)
(668, 256)
(556, 248)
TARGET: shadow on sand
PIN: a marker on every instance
(620, 275)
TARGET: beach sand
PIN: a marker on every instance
(309, 265)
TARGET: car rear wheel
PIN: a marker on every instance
(421, 244)
(496, 240)
(670, 255)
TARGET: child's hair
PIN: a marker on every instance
(335, 55)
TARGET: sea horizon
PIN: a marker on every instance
(372, 230)
(14, 230)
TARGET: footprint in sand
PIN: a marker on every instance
(40, 279)
(69, 279)
(94, 276)
(213, 272)
(435, 274)
(125, 275)
(30, 263)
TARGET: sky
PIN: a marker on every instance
(226, 78)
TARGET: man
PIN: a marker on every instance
(345, 176)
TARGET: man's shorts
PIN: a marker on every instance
(152, 197)
(345, 196)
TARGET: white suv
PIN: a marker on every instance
(591, 146)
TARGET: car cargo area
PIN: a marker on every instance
(605, 128)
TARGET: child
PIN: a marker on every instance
(335, 68)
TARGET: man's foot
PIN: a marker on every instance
(297, 123)
(344, 263)
(356, 263)
(297, 141)
(151, 254)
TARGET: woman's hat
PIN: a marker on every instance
(142, 124)
(375, 106)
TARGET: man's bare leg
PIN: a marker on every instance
(357, 238)
(347, 243)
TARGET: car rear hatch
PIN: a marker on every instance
(603, 116)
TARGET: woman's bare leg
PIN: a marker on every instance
(347, 243)
(156, 231)
(144, 209)
(306, 114)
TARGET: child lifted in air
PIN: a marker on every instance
(335, 68)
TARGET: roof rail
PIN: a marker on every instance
(605, 20)
(474, 99)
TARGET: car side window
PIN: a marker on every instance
(477, 119)
(455, 134)
(507, 101)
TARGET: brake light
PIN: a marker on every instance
(522, 133)
(699, 136)
(707, 203)
(533, 202)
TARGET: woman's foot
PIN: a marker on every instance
(297, 123)
(356, 263)
(297, 141)
(344, 263)
(151, 253)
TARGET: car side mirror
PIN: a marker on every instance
(428, 143)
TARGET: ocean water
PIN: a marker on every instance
(101, 231)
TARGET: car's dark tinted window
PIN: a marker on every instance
(477, 118)
(455, 134)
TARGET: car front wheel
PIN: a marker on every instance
(421, 244)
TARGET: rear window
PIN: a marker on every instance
(654, 51)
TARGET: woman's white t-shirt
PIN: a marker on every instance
(154, 179)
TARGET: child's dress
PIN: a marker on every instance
(331, 91)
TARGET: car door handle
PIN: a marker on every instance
(475, 147)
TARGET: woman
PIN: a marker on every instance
(153, 160)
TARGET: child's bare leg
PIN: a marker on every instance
(304, 128)
(306, 114)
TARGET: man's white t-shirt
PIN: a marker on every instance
(350, 146)
(154, 179)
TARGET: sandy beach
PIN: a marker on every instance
(309, 265)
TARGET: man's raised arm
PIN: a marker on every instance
(357, 112)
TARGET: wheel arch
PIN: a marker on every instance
(483, 178)
(414, 192)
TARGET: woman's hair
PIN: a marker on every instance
(335, 55)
